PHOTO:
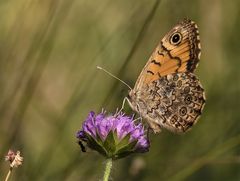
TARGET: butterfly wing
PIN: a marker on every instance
(167, 94)
(174, 101)
(178, 51)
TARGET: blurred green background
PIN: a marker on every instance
(49, 51)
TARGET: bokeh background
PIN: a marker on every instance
(49, 50)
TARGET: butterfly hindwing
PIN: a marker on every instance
(174, 101)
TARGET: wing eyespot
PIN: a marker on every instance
(176, 38)
(183, 111)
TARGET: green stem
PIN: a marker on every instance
(107, 170)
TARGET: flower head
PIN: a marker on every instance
(114, 136)
(14, 158)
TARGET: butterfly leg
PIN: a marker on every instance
(137, 119)
(123, 104)
(148, 132)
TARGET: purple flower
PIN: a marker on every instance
(114, 136)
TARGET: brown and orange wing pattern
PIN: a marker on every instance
(178, 51)
(167, 93)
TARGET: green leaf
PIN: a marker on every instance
(128, 147)
(126, 150)
(95, 145)
(110, 144)
(115, 137)
(123, 154)
(124, 142)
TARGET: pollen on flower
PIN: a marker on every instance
(114, 135)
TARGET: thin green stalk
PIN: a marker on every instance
(107, 170)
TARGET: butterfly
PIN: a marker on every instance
(167, 93)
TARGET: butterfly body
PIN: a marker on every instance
(167, 93)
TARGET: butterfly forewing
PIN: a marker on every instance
(178, 51)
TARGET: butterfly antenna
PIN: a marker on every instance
(100, 68)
